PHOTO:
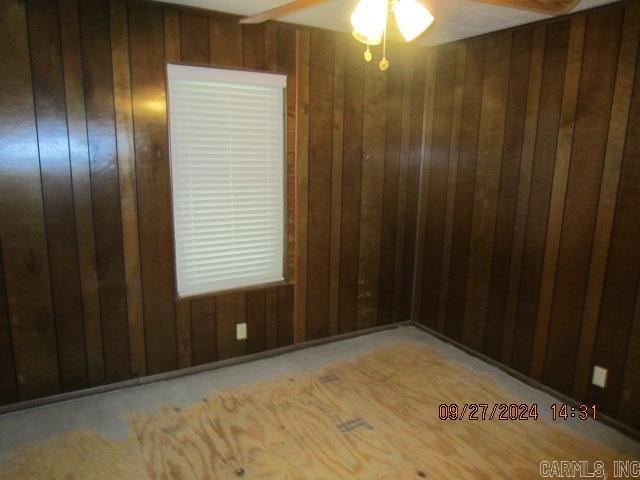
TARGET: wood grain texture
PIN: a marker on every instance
(351, 188)
(256, 318)
(507, 200)
(601, 43)
(319, 174)
(194, 38)
(204, 330)
(98, 86)
(128, 192)
(230, 311)
(146, 37)
(339, 61)
(372, 183)
(55, 173)
(302, 184)
(8, 381)
(559, 191)
(81, 180)
(618, 125)
(225, 41)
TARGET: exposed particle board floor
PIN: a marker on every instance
(363, 408)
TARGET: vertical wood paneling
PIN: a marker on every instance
(437, 161)
(230, 310)
(194, 38)
(127, 176)
(81, 179)
(320, 152)
(595, 96)
(55, 172)
(485, 202)
(393, 146)
(558, 193)
(183, 307)
(351, 188)
(8, 380)
(628, 411)
(253, 46)
(285, 316)
(509, 176)
(627, 60)
(146, 37)
(24, 244)
(225, 41)
(524, 190)
(271, 314)
(98, 82)
(469, 128)
(256, 318)
(302, 184)
(555, 56)
(336, 181)
(373, 156)
(203, 331)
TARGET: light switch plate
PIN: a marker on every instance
(599, 376)
(241, 331)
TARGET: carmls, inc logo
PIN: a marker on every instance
(587, 469)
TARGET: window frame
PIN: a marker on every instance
(285, 213)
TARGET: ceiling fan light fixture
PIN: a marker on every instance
(412, 18)
(369, 20)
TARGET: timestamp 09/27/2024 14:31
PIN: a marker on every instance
(513, 411)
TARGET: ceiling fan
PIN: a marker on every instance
(370, 17)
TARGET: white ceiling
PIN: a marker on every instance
(455, 19)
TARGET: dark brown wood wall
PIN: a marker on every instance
(530, 207)
(87, 293)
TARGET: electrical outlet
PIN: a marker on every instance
(599, 377)
(241, 331)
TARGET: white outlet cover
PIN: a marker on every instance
(241, 331)
(599, 377)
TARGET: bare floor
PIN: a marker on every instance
(367, 407)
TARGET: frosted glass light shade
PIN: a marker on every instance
(412, 17)
(369, 20)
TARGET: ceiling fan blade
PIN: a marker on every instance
(553, 7)
(280, 11)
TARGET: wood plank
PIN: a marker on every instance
(595, 97)
(558, 193)
(628, 411)
(437, 155)
(287, 64)
(416, 149)
(81, 180)
(127, 177)
(225, 41)
(403, 171)
(55, 172)
(393, 148)
(510, 173)
(253, 46)
(319, 171)
(22, 229)
(98, 87)
(146, 37)
(555, 56)
(203, 330)
(302, 184)
(340, 52)
(373, 155)
(617, 323)
(452, 178)
(524, 190)
(469, 128)
(271, 47)
(194, 38)
(183, 307)
(485, 203)
(271, 308)
(351, 187)
(8, 380)
(286, 315)
(606, 205)
(230, 311)
(256, 321)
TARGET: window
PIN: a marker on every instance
(226, 129)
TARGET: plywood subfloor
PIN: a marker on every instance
(373, 419)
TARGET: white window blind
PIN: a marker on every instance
(227, 170)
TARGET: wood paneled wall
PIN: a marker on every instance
(87, 292)
(530, 207)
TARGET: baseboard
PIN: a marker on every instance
(607, 420)
(160, 377)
